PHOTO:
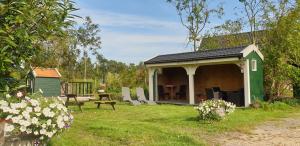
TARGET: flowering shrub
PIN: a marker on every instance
(38, 116)
(214, 109)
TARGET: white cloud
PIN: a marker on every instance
(134, 48)
(107, 18)
(130, 46)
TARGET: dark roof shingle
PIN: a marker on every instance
(201, 55)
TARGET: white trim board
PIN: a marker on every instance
(199, 62)
(250, 49)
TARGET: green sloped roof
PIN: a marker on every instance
(231, 40)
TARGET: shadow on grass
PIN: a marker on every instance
(194, 119)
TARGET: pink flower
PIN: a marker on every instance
(19, 94)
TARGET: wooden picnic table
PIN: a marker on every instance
(79, 104)
(107, 101)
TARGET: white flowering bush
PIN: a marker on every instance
(36, 115)
(214, 109)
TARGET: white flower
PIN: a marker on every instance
(41, 138)
(3, 103)
(24, 123)
(66, 118)
(9, 128)
(36, 133)
(23, 129)
(49, 122)
(49, 134)
(27, 98)
(8, 96)
(52, 105)
(43, 131)
(37, 109)
(35, 120)
(44, 126)
(23, 104)
(28, 131)
(19, 94)
(41, 91)
(48, 113)
(29, 109)
(26, 114)
(34, 102)
(16, 119)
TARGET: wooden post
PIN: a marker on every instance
(191, 70)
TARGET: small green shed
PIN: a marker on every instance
(46, 79)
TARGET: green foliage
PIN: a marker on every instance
(194, 15)
(25, 25)
(229, 27)
(281, 49)
(289, 101)
(88, 39)
(275, 105)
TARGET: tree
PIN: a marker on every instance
(281, 49)
(25, 26)
(88, 38)
(194, 15)
(229, 27)
(254, 10)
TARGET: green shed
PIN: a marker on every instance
(46, 79)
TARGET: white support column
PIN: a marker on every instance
(247, 83)
(151, 86)
(191, 72)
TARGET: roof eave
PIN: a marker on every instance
(188, 60)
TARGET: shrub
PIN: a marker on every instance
(214, 109)
(37, 116)
(274, 105)
(288, 101)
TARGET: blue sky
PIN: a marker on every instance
(136, 30)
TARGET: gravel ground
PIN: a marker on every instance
(274, 133)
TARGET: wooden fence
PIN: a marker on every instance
(79, 88)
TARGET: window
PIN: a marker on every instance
(253, 65)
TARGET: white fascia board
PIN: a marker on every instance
(57, 72)
(34, 74)
(199, 62)
(250, 49)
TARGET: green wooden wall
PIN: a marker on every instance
(256, 77)
(50, 86)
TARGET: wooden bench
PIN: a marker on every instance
(112, 103)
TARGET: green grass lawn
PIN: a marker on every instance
(154, 125)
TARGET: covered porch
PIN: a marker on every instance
(193, 84)
(189, 78)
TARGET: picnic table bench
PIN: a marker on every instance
(107, 100)
(79, 104)
(112, 103)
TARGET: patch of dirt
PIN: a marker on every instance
(275, 133)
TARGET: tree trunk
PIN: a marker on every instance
(195, 45)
